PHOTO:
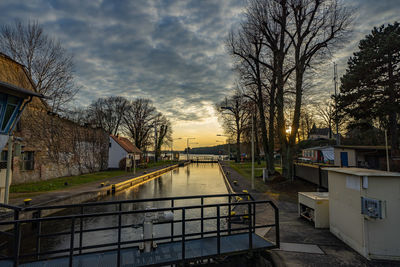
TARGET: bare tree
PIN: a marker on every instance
(47, 63)
(164, 132)
(326, 113)
(314, 27)
(108, 113)
(306, 122)
(235, 116)
(246, 46)
(138, 121)
(270, 17)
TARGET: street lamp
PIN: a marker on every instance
(229, 145)
(252, 145)
(187, 146)
(172, 143)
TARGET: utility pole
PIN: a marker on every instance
(172, 144)
(252, 152)
(155, 142)
(387, 153)
(336, 107)
(187, 146)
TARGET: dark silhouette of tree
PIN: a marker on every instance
(370, 89)
(139, 121)
(234, 114)
(108, 113)
(164, 132)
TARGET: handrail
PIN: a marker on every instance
(91, 204)
(76, 229)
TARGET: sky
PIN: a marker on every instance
(172, 52)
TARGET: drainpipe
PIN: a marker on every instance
(10, 151)
(8, 172)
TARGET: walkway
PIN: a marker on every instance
(301, 243)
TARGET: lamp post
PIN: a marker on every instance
(187, 146)
(229, 145)
(172, 144)
(252, 152)
(252, 146)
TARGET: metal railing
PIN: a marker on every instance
(76, 224)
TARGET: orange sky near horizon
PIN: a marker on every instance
(205, 131)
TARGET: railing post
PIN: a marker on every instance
(183, 236)
(277, 237)
(250, 226)
(17, 237)
(254, 217)
(172, 222)
(319, 178)
(202, 218)
(119, 234)
(229, 215)
(81, 232)
(38, 233)
(71, 245)
(218, 231)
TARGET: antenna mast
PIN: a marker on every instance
(336, 107)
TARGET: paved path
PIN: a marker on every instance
(301, 243)
(46, 198)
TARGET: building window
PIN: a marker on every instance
(28, 162)
(3, 160)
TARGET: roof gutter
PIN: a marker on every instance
(19, 115)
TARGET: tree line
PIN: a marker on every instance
(138, 119)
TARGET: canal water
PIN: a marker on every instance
(193, 179)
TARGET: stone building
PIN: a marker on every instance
(51, 146)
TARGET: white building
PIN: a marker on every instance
(120, 148)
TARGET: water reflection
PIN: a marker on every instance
(193, 179)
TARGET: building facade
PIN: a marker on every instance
(49, 146)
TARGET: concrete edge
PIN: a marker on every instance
(226, 180)
(86, 196)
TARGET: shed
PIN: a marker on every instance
(372, 157)
(364, 209)
(120, 148)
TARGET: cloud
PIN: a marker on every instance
(169, 51)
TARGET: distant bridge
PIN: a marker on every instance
(206, 159)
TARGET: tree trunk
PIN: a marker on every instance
(256, 139)
(271, 128)
(290, 152)
(238, 147)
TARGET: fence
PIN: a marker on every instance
(77, 226)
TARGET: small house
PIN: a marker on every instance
(320, 133)
(121, 148)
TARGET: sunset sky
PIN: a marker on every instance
(169, 51)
